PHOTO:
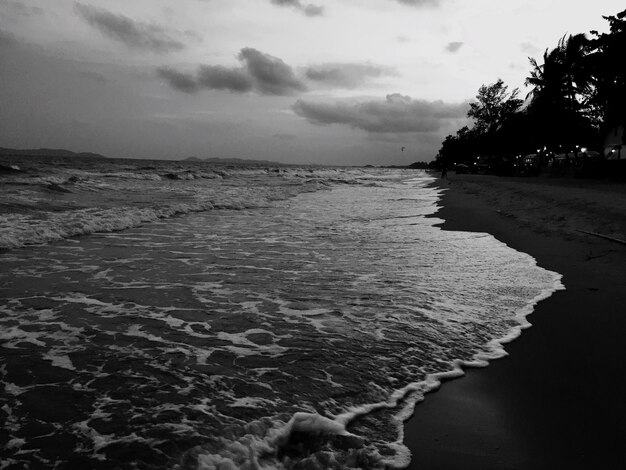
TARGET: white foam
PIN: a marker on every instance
(133, 175)
(13, 389)
(62, 360)
(245, 453)
(371, 319)
(15, 443)
(251, 348)
(251, 402)
(199, 191)
(312, 424)
(14, 334)
(136, 330)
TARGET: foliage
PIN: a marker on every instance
(578, 92)
(493, 106)
(560, 94)
(609, 72)
(492, 111)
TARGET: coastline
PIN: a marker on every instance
(557, 400)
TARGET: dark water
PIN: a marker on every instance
(292, 333)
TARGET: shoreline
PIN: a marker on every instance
(557, 400)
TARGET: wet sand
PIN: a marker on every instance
(559, 399)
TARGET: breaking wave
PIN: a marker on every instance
(262, 331)
(45, 202)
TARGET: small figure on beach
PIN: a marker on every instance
(444, 172)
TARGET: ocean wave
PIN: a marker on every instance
(353, 437)
(53, 202)
(17, 230)
(292, 334)
(316, 442)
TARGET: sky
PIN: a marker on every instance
(348, 82)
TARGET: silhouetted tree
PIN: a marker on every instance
(562, 85)
(493, 109)
(578, 92)
(493, 106)
(609, 72)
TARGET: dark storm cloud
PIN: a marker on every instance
(308, 10)
(396, 114)
(216, 77)
(345, 75)
(270, 74)
(260, 72)
(454, 46)
(132, 33)
(178, 80)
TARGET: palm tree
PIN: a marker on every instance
(606, 60)
(561, 88)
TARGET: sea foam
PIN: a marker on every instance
(90, 201)
(299, 332)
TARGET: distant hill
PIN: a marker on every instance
(227, 161)
(47, 153)
(413, 166)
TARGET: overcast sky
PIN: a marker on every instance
(331, 81)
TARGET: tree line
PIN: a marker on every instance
(578, 95)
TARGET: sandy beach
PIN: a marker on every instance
(557, 400)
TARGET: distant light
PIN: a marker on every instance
(583, 149)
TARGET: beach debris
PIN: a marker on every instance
(591, 256)
(606, 237)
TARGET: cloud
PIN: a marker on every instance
(19, 9)
(313, 10)
(454, 46)
(421, 3)
(260, 72)
(6, 38)
(134, 34)
(308, 10)
(94, 76)
(216, 77)
(530, 48)
(396, 114)
(178, 80)
(270, 74)
(345, 75)
(285, 136)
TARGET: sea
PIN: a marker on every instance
(203, 315)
